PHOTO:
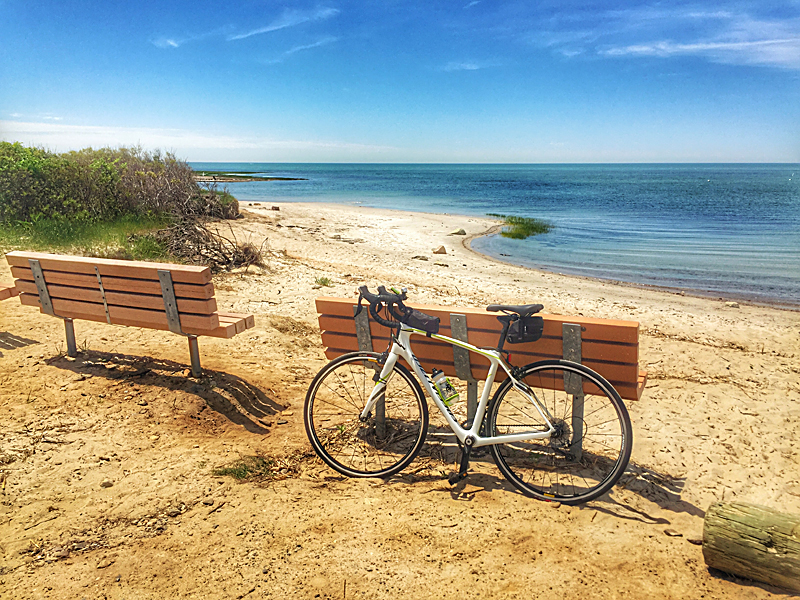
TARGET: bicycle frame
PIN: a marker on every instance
(401, 347)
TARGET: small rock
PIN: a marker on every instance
(70, 358)
(555, 505)
(110, 366)
(60, 552)
(441, 264)
(458, 232)
(265, 570)
(276, 208)
(440, 250)
(282, 421)
(289, 413)
(142, 402)
(695, 541)
(105, 563)
(106, 483)
(173, 512)
(153, 438)
(208, 501)
(419, 257)
(673, 533)
(732, 304)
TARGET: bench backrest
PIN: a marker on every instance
(120, 292)
(609, 347)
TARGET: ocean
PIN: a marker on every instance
(722, 230)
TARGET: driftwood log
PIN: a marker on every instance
(754, 542)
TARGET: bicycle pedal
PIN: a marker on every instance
(454, 478)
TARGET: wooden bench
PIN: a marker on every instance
(7, 292)
(177, 298)
(609, 347)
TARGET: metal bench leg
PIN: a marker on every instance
(365, 345)
(576, 447)
(472, 398)
(194, 354)
(72, 347)
(573, 384)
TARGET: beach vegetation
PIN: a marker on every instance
(247, 467)
(519, 228)
(120, 202)
(323, 281)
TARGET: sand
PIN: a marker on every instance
(107, 461)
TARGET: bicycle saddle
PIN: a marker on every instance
(523, 310)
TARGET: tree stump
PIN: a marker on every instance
(754, 542)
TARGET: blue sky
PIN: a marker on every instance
(395, 81)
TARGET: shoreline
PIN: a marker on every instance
(496, 226)
(707, 295)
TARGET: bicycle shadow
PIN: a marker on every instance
(661, 489)
(228, 395)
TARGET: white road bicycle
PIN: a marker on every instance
(557, 430)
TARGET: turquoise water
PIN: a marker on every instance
(725, 230)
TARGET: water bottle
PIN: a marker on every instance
(446, 391)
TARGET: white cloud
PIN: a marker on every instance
(167, 43)
(289, 18)
(317, 44)
(726, 34)
(462, 66)
(185, 143)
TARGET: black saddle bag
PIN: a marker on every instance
(528, 329)
(419, 320)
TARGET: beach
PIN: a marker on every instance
(717, 422)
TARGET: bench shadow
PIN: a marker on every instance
(9, 341)
(230, 396)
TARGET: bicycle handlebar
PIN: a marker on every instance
(377, 301)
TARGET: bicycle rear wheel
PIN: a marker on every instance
(591, 445)
(388, 440)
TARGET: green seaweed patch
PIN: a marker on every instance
(519, 228)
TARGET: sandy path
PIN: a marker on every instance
(718, 420)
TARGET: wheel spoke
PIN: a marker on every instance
(573, 466)
(357, 448)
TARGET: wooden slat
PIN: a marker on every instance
(7, 292)
(146, 301)
(247, 321)
(117, 284)
(195, 324)
(549, 346)
(625, 332)
(609, 347)
(110, 267)
(440, 352)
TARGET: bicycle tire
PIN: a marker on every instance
(562, 467)
(334, 402)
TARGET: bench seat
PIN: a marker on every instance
(178, 298)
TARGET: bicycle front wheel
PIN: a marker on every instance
(590, 447)
(383, 444)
